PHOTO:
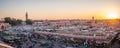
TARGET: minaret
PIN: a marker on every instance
(26, 15)
(93, 21)
(93, 18)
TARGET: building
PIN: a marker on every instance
(26, 16)
(3, 26)
(93, 21)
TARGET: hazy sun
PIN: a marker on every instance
(112, 15)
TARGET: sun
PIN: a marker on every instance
(112, 15)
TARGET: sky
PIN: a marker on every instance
(58, 9)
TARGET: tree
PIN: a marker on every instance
(7, 20)
(18, 21)
(28, 21)
(12, 21)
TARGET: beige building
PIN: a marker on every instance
(3, 26)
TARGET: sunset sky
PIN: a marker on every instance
(59, 9)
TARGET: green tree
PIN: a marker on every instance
(7, 20)
(12, 21)
(18, 22)
(28, 21)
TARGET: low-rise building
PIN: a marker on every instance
(3, 26)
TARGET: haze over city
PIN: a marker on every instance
(59, 23)
(60, 9)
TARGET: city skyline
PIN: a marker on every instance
(60, 9)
